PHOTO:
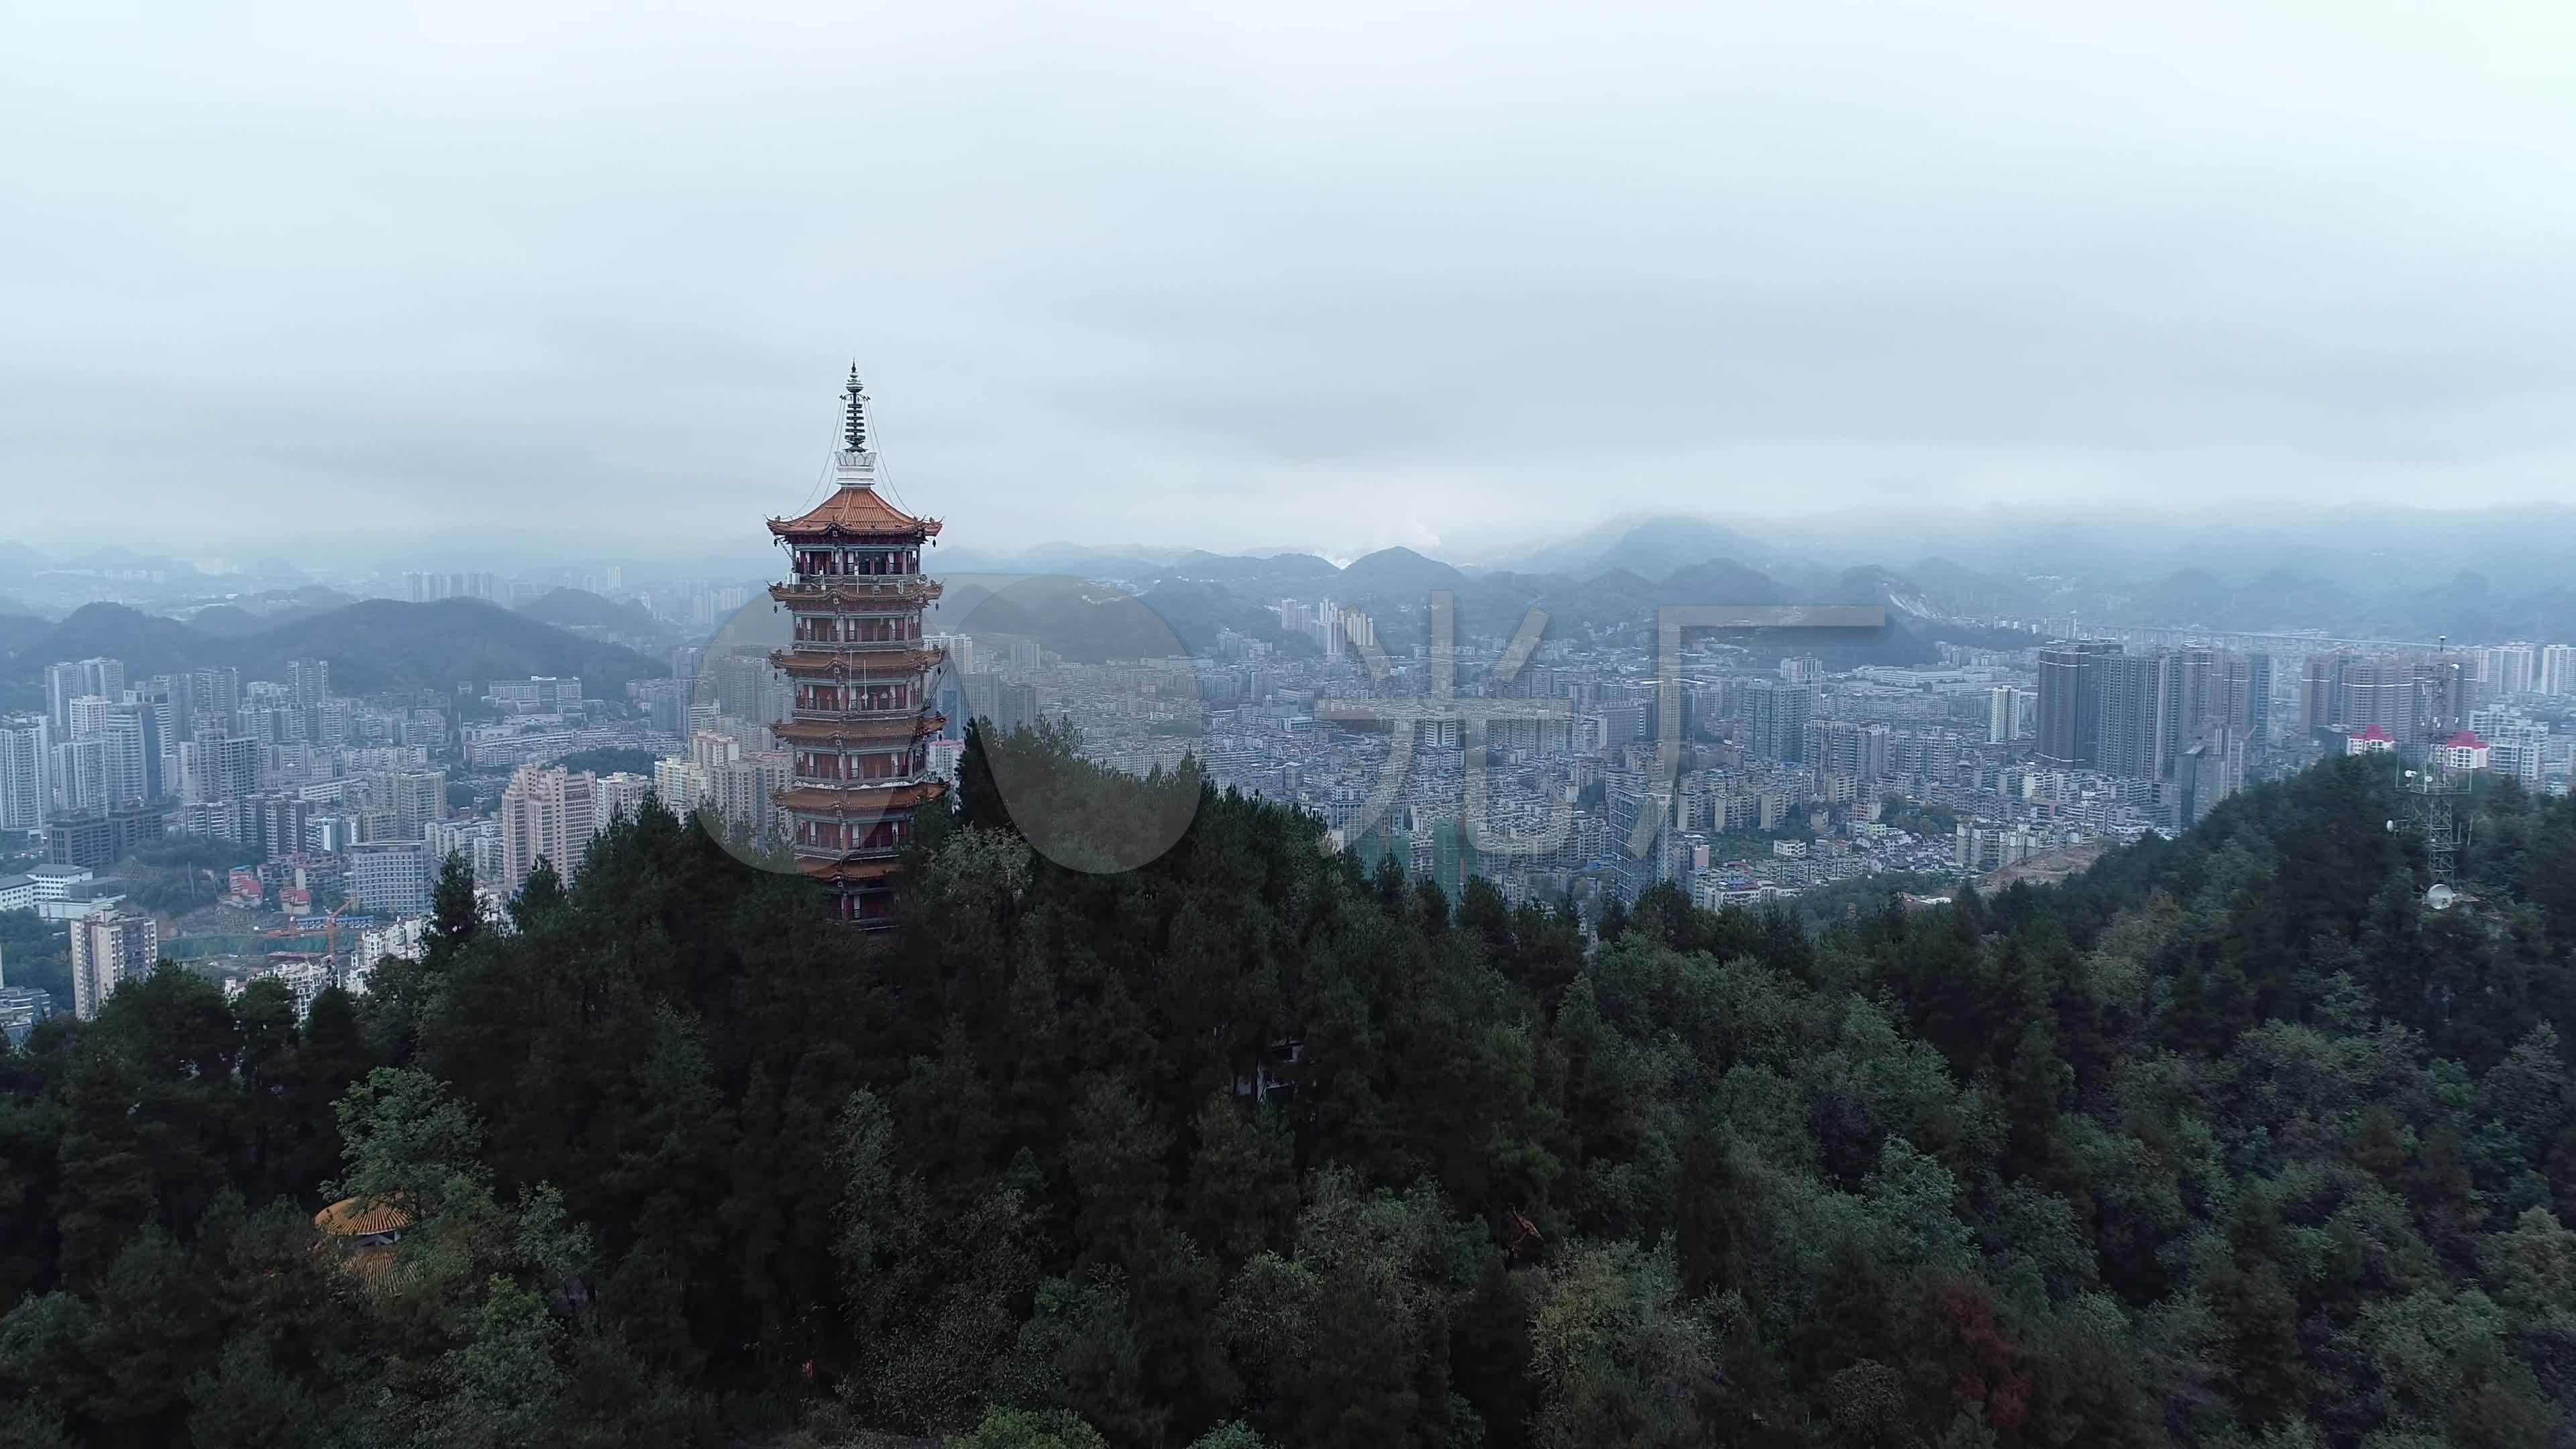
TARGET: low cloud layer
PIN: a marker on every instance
(1346, 276)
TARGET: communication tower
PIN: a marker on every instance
(2432, 790)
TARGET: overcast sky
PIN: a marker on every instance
(1316, 274)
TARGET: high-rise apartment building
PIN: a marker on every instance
(64, 683)
(1776, 719)
(109, 947)
(100, 837)
(477, 841)
(2249, 696)
(2408, 697)
(2011, 714)
(132, 730)
(308, 682)
(414, 798)
(2225, 690)
(2139, 721)
(2070, 701)
(392, 878)
(79, 775)
(1840, 747)
(62, 686)
(26, 771)
(546, 812)
(621, 793)
(214, 690)
(275, 823)
(87, 716)
(680, 784)
(2558, 669)
(429, 587)
(228, 766)
(740, 791)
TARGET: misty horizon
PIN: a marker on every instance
(1345, 280)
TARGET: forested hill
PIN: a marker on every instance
(2226, 1144)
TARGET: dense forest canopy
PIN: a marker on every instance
(2227, 1143)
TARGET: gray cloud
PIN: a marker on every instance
(1338, 274)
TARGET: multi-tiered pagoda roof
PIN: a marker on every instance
(863, 680)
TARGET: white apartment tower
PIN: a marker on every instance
(26, 770)
(108, 947)
(2558, 669)
(549, 812)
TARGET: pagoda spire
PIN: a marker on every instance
(854, 428)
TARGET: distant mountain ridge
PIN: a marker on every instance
(2409, 575)
(581, 609)
(373, 644)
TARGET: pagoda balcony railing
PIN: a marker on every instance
(813, 588)
(803, 781)
(826, 716)
(837, 853)
(854, 646)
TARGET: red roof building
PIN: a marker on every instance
(859, 731)
(2465, 751)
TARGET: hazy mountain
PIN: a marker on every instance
(375, 644)
(2196, 598)
(228, 621)
(252, 613)
(582, 609)
(2366, 578)
(17, 631)
(1091, 623)
(1662, 547)
(386, 644)
(1652, 547)
(1723, 581)
(148, 643)
(1283, 570)
(116, 558)
(1957, 589)
(1395, 574)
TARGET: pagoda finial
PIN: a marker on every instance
(854, 431)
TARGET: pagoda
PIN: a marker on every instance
(859, 733)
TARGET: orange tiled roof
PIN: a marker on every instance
(346, 1219)
(854, 511)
